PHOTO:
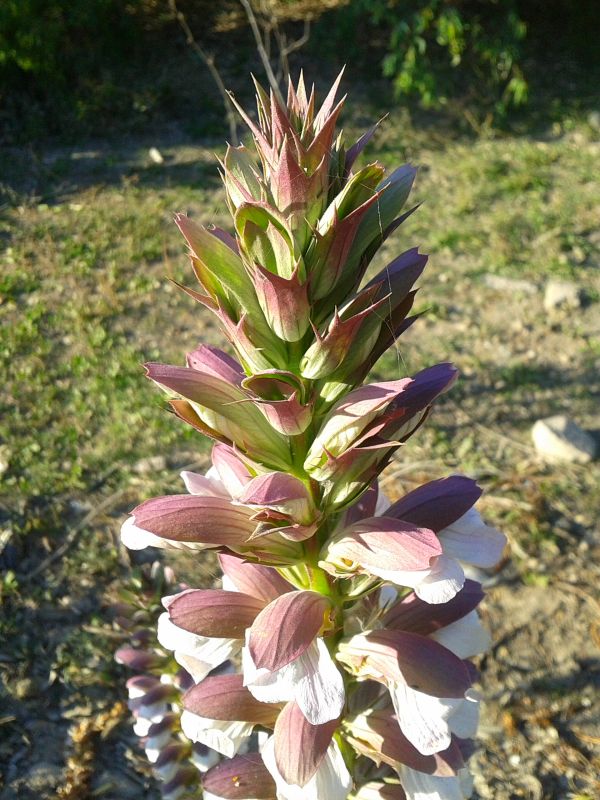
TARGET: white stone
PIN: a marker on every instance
(561, 294)
(156, 155)
(560, 439)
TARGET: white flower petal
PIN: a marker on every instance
(312, 680)
(423, 719)
(465, 718)
(141, 726)
(205, 760)
(445, 579)
(154, 744)
(465, 638)
(135, 538)
(266, 686)
(466, 782)
(469, 539)
(223, 736)
(153, 713)
(438, 584)
(207, 485)
(420, 786)
(227, 584)
(369, 791)
(320, 691)
(331, 780)
(199, 655)
(382, 504)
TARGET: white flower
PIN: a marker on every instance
(465, 638)
(470, 540)
(199, 655)
(331, 781)
(420, 786)
(312, 680)
(224, 736)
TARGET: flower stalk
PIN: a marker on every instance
(350, 619)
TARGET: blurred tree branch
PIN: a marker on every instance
(209, 60)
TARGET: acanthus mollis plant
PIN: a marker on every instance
(350, 620)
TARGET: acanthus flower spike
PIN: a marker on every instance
(331, 663)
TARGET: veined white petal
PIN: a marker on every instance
(135, 538)
(369, 791)
(445, 579)
(420, 786)
(382, 504)
(199, 655)
(466, 637)
(153, 713)
(424, 719)
(207, 485)
(221, 735)
(466, 782)
(469, 539)
(465, 718)
(204, 761)
(437, 584)
(141, 726)
(331, 780)
(154, 744)
(320, 691)
(227, 584)
(266, 686)
(312, 680)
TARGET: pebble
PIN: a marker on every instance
(156, 156)
(560, 439)
(561, 295)
(80, 507)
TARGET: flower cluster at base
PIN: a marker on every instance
(350, 620)
(155, 690)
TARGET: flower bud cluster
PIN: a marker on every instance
(155, 691)
(350, 619)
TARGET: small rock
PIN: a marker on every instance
(156, 156)
(561, 294)
(560, 439)
(80, 507)
(148, 465)
(504, 284)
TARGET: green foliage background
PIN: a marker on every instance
(69, 65)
